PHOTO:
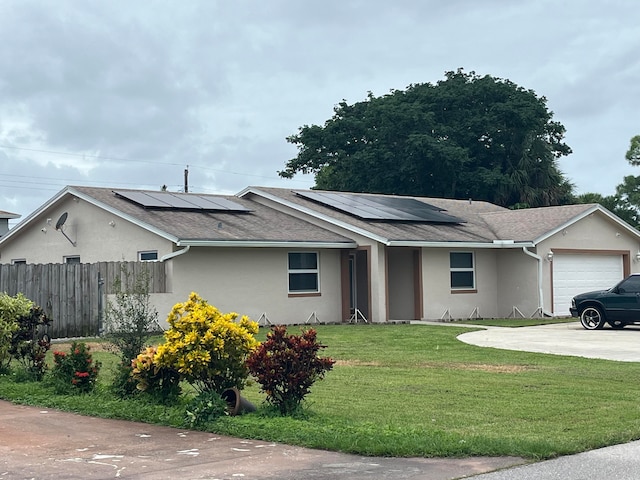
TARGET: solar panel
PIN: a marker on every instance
(181, 201)
(143, 199)
(373, 207)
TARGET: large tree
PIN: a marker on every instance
(464, 137)
(625, 203)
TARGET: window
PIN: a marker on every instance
(462, 271)
(72, 259)
(630, 285)
(148, 256)
(17, 261)
(303, 272)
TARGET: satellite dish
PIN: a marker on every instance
(61, 220)
(59, 225)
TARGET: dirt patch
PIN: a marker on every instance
(356, 363)
(483, 367)
(94, 346)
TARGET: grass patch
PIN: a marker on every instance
(514, 322)
(415, 390)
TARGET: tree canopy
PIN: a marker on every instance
(625, 203)
(633, 154)
(464, 137)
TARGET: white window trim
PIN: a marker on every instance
(466, 269)
(142, 252)
(304, 270)
(68, 257)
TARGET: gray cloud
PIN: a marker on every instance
(130, 93)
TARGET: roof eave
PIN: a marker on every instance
(266, 244)
(496, 244)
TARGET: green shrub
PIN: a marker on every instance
(160, 382)
(74, 372)
(204, 408)
(208, 348)
(29, 345)
(130, 319)
(123, 385)
(11, 309)
(286, 366)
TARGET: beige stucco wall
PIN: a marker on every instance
(517, 287)
(252, 281)
(441, 302)
(86, 225)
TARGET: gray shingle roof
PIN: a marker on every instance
(474, 228)
(532, 223)
(483, 222)
(261, 224)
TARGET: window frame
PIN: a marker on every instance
(18, 261)
(143, 252)
(66, 259)
(472, 269)
(305, 271)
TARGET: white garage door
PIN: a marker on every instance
(574, 274)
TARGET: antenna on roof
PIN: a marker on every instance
(60, 225)
(186, 179)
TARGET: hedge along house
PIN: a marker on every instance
(292, 256)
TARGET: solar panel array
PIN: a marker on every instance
(372, 207)
(180, 201)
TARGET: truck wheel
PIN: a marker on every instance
(592, 318)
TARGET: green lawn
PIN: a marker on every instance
(414, 390)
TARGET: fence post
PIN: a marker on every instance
(100, 304)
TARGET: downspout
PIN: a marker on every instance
(171, 255)
(540, 292)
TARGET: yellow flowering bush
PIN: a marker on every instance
(208, 348)
(160, 382)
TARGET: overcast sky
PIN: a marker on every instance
(128, 94)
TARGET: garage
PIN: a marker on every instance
(579, 273)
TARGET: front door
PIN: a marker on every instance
(356, 296)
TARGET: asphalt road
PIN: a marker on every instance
(42, 444)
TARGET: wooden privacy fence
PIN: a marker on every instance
(73, 295)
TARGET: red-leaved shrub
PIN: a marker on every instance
(286, 366)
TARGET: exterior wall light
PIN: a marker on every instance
(550, 256)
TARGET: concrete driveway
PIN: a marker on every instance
(562, 339)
